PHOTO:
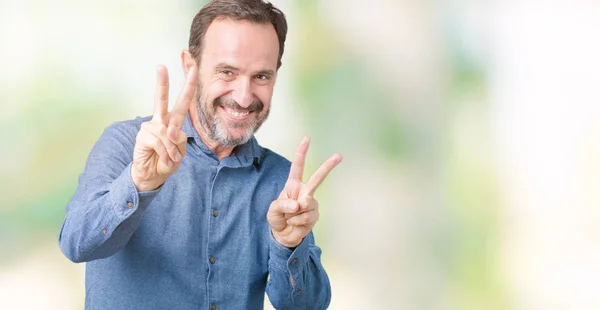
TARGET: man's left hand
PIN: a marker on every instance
(295, 212)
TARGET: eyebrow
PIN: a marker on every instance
(224, 66)
(265, 72)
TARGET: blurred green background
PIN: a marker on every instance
(470, 133)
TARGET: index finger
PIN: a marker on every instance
(187, 95)
(319, 176)
(297, 167)
(161, 95)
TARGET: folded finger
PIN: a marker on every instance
(307, 219)
(148, 142)
(307, 203)
(160, 132)
(178, 137)
(283, 207)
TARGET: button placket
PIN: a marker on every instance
(211, 228)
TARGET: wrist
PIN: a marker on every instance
(144, 184)
(145, 187)
(283, 242)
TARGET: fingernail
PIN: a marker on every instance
(175, 132)
(291, 208)
(177, 157)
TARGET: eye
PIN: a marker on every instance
(262, 78)
(227, 75)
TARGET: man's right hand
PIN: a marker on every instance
(160, 143)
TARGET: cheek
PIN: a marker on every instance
(264, 94)
(215, 90)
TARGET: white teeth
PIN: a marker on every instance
(236, 113)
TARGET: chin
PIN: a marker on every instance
(233, 134)
(241, 138)
(234, 137)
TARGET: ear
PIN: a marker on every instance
(187, 61)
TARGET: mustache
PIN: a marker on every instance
(227, 102)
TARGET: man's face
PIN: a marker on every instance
(236, 78)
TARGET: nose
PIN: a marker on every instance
(242, 92)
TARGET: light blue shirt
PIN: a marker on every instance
(200, 241)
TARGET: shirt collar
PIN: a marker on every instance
(243, 155)
(189, 129)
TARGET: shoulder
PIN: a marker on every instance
(119, 137)
(127, 129)
(275, 164)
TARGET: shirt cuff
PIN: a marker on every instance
(125, 197)
(286, 260)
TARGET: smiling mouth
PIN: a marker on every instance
(236, 114)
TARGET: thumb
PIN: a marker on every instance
(276, 216)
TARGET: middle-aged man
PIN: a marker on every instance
(184, 209)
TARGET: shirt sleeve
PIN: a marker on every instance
(297, 280)
(106, 208)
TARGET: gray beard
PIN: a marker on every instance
(218, 132)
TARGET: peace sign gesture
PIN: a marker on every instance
(160, 143)
(295, 212)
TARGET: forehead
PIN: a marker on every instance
(241, 43)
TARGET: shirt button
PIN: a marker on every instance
(293, 261)
(104, 231)
(211, 260)
(213, 307)
(215, 213)
(130, 205)
(298, 292)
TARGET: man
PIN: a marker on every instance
(184, 210)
